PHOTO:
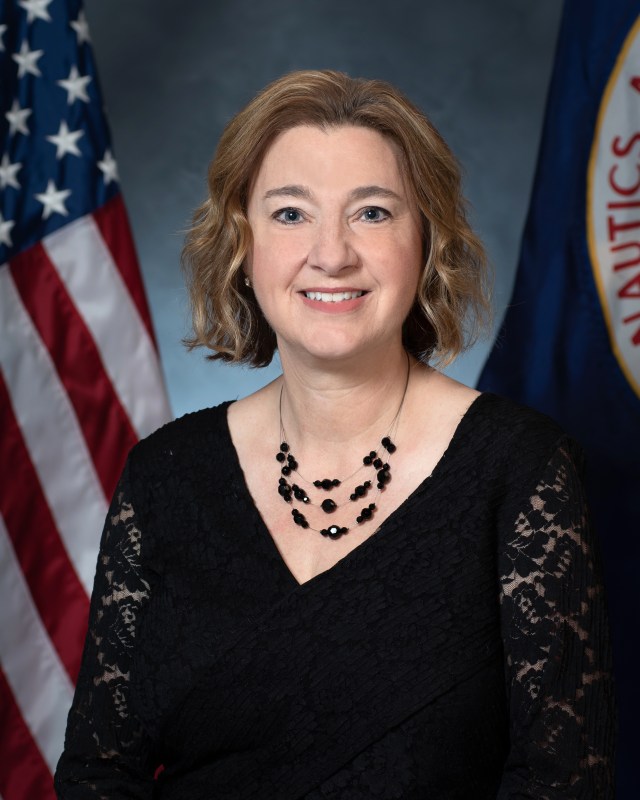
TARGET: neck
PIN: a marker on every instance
(332, 414)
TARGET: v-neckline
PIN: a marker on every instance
(387, 524)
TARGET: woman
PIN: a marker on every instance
(365, 580)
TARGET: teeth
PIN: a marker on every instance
(333, 297)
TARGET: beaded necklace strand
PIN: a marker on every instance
(290, 491)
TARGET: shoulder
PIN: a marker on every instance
(510, 420)
(191, 436)
(485, 421)
(523, 450)
(498, 438)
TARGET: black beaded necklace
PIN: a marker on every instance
(289, 491)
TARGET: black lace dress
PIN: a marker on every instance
(459, 652)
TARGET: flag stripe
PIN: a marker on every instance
(113, 224)
(80, 380)
(41, 687)
(33, 778)
(104, 303)
(56, 590)
(73, 494)
(77, 362)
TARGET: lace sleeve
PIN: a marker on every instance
(107, 754)
(556, 646)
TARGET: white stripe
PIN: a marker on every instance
(93, 280)
(37, 678)
(52, 433)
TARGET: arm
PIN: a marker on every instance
(558, 662)
(107, 754)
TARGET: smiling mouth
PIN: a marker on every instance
(332, 297)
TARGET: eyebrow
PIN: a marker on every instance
(289, 191)
(361, 193)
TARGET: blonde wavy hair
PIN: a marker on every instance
(452, 301)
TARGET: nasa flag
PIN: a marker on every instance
(570, 341)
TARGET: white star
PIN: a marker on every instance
(66, 141)
(5, 231)
(8, 172)
(81, 27)
(75, 86)
(3, 28)
(109, 168)
(18, 119)
(53, 200)
(26, 60)
(36, 9)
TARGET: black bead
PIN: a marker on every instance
(317, 484)
(335, 482)
(378, 463)
(284, 447)
(359, 520)
(383, 477)
(368, 459)
(293, 463)
(280, 457)
(388, 445)
(286, 470)
(334, 531)
(327, 484)
(299, 493)
(353, 497)
(328, 506)
(360, 491)
(367, 484)
(299, 518)
(282, 482)
(367, 512)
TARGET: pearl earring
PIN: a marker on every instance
(247, 281)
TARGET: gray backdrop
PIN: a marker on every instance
(174, 73)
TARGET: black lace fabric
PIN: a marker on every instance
(461, 652)
(555, 632)
(102, 716)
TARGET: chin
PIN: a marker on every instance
(332, 351)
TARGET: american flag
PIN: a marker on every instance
(80, 380)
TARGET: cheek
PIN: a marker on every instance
(260, 261)
(277, 258)
(408, 265)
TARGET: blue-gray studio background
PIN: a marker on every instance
(174, 73)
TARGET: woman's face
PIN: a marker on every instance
(337, 245)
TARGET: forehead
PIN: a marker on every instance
(330, 156)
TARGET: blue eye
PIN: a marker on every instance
(289, 216)
(375, 214)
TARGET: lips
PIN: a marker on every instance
(333, 297)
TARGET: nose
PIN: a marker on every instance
(332, 249)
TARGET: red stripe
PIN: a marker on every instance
(24, 774)
(113, 223)
(104, 422)
(58, 595)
